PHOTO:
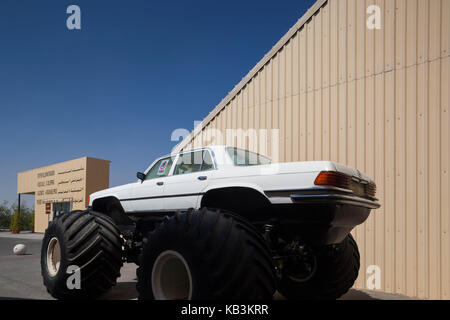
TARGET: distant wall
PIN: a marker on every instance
(377, 100)
(71, 181)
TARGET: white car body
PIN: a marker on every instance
(183, 191)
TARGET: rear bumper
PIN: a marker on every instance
(322, 216)
(334, 198)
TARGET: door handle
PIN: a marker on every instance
(202, 178)
(160, 183)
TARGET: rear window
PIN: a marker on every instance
(245, 158)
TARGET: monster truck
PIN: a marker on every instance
(216, 222)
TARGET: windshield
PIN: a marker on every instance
(245, 158)
(160, 169)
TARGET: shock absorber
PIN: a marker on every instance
(267, 235)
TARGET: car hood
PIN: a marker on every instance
(110, 192)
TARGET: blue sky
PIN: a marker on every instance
(118, 87)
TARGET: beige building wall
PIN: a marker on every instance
(70, 181)
(377, 100)
(97, 176)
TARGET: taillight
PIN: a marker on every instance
(334, 179)
(371, 189)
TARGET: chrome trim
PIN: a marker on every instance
(286, 193)
(335, 199)
(316, 189)
(164, 196)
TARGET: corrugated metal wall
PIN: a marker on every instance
(375, 100)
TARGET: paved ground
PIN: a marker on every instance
(20, 276)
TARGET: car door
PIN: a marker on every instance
(147, 195)
(188, 180)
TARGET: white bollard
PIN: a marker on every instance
(20, 249)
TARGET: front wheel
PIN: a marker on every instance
(329, 274)
(85, 242)
(205, 254)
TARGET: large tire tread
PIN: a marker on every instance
(227, 255)
(336, 274)
(91, 241)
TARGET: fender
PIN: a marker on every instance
(227, 185)
(100, 204)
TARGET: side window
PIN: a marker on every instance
(188, 162)
(160, 169)
(193, 162)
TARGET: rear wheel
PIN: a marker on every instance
(84, 241)
(327, 275)
(205, 254)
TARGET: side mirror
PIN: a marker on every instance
(140, 176)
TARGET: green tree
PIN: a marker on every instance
(16, 223)
(25, 214)
(7, 212)
(32, 222)
(5, 215)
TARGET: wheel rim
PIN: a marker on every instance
(53, 256)
(171, 277)
(303, 271)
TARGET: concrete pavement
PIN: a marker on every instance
(22, 235)
(20, 276)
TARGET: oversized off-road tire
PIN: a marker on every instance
(87, 240)
(205, 254)
(334, 273)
